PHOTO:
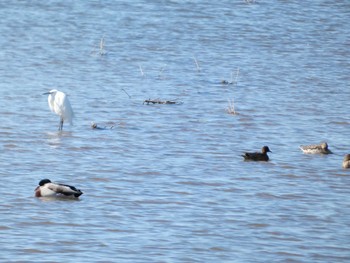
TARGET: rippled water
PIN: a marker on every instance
(167, 182)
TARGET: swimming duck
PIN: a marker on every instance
(258, 156)
(321, 148)
(346, 161)
(48, 189)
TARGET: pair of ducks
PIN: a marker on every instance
(321, 148)
(312, 149)
(46, 188)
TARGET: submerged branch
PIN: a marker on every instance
(158, 101)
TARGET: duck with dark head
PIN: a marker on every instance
(258, 156)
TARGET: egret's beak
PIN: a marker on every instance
(46, 93)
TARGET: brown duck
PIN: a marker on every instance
(321, 148)
(346, 161)
(258, 156)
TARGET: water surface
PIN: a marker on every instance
(167, 182)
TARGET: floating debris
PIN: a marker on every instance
(233, 81)
(225, 82)
(94, 126)
(158, 101)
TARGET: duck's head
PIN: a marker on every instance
(44, 181)
(265, 149)
(324, 145)
(347, 157)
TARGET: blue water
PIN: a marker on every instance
(167, 182)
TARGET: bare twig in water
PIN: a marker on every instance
(232, 82)
(161, 71)
(231, 104)
(126, 93)
(235, 82)
(231, 107)
(142, 73)
(102, 51)
(197, 64)
(101, 48)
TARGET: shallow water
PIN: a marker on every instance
(167, 182)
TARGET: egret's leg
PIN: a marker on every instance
(60, 127)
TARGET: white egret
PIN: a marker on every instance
(59, 104)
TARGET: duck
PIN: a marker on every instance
(321, 148)
(256, 156)
(346, 161)
(46, 188)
